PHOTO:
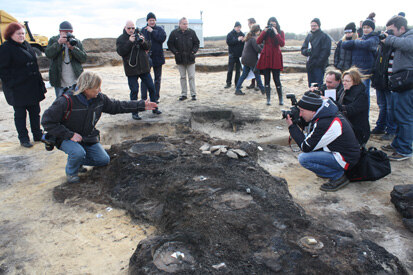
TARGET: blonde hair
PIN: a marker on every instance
(353, 37)
(87, 80)
(355, 75)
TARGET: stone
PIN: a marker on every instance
(216, 147)
(205, 147)
(206, 152)
(240, 152)
(232, 154)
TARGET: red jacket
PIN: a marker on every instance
(271, 56)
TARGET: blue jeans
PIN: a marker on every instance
(315, 75)
(385, 121)
(157, 71)
(403, 117)
(245, 71)
(322, 163)
(79, 154)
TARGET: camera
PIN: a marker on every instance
(71, 39)
(138, 39)
(49, 141)
(383, 36)
(294, 112)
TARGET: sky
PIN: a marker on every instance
(106, 18)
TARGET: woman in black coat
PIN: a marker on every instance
(22, 82)
(353, 103)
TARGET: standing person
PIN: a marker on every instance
(155, 35)
(235, 42)
(250, 58)
(352, 102)
(132, 48)
(23, 85)
(402, 101)
(317, 48)
(271, 59)
(77, 135)
(251, 21)
(66, 55)
(382, 69)
(184, 44)
(363, 51)
(342, 57)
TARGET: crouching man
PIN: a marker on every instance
(72, 118)
(328, 143)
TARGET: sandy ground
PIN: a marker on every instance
(39, 235)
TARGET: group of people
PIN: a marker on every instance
(336, 127)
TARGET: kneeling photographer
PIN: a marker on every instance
(328, 143)
(70, 122)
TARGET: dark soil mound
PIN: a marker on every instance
(215, 214)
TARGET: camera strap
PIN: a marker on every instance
(69, 107)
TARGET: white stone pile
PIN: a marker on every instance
(224, 149)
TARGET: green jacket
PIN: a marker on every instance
(54, 52)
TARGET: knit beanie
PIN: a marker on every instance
(150, 15)
(369, 22)
(237, 24)
(310, 101)
(402, 14)
(65, 26)
(350, 27)
(317, 21)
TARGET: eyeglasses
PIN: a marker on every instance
(131, 28)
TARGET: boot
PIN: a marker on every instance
(280, 95)
(268, 93)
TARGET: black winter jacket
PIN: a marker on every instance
(329, 131)
(184, 45)
(380, 75)
(135, 59)
(342, 58)
(235, 46)
(355, 107)
(319, 51)
(156, 39)
(84, 115)
(22, 82)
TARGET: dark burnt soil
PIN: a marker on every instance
(219, 215)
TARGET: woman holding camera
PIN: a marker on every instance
(23, 85)
(271, 60)
(71, 120)
(352, 101)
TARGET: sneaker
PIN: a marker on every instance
(136, 117)
(377, 132)
(182, 97)
(227, 86)
(72, 179)
(252, 86)
(194, 97)
(387, 136)
(388, 148)
(239, 92)
(397, 157)
(26, 144)
(334, 185)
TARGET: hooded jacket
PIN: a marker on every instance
(319, 51)
(22, 82)
(329, 131)
(135, 59)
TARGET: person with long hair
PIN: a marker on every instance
(271, 60)
(249, 59)
(352, 101)
(23, 85)
(342, 57)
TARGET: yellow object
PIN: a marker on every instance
(38, 42)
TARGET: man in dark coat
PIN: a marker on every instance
(235, 42)
(316, 47)
(184, 43)
(132, 47)
(156, 36)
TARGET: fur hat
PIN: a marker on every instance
(310, 101)
(65, 26)
(350, 26)
(317, 21)
(150, 15)
(237, 24)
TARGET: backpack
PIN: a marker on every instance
(373, 165)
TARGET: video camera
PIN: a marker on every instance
(294, 112)
(138, 39)
(383, 36)
(71, 39)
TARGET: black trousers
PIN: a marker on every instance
(231, 62)
(157, 71)
(275, 76)
(20, 122)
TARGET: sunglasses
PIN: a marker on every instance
(348, 31)
(131, 28)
